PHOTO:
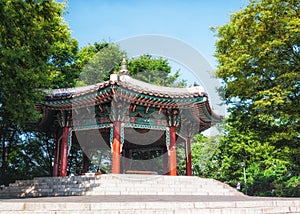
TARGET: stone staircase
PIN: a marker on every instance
(48, 186)
(159, 185)
(116, 185)
(135, 194)
(146, 207)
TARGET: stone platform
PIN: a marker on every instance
(135, 194)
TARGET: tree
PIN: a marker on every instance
(29, 155)
(97, 62)
(64, 71)
(267, 167)
(203, 148)
(30, 32)
(258, 54)
(154, 70)
(259, 61)
(31, 35)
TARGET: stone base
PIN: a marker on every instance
(91, 194)
(151, 204)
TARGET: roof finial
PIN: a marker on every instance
(124, 70)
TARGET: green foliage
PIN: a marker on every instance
(100, 160)
(181, 158)
(29, 34)
(156, 71)
(97, 62)
(268, 169)
(36, 51)
(203, 148)
(63, 68)
(29, 155)
(259, 62)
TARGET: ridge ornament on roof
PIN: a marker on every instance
(124, 70)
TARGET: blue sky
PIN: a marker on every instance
(188, 21)
(113, 20)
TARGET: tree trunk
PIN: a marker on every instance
(3, 158)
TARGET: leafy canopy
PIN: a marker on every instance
(259, 62)
(96, 63)
(36, 51)
(154, 70)
(29, 34)
(258, 54)
(268, 169)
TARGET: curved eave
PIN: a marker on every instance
(159, 91)
(78, 96)
(68, 93)
(193, 99)
(135, 91)
(128, 83)
(155, 100)
(204, 113)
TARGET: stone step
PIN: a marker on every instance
(117, 179)
(58, 192)
(172, 191)
(223, 207)
(125, 187)
(139, 193)
(109, 183)
(117, 185)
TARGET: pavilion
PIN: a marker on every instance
(126, 115)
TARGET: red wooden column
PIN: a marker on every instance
(116, 146)
(172, 154)
(64, 152)
(56, 158)
(188, 157)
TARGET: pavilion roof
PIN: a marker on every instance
(192, 102)
(194, 99)
(128, 83)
